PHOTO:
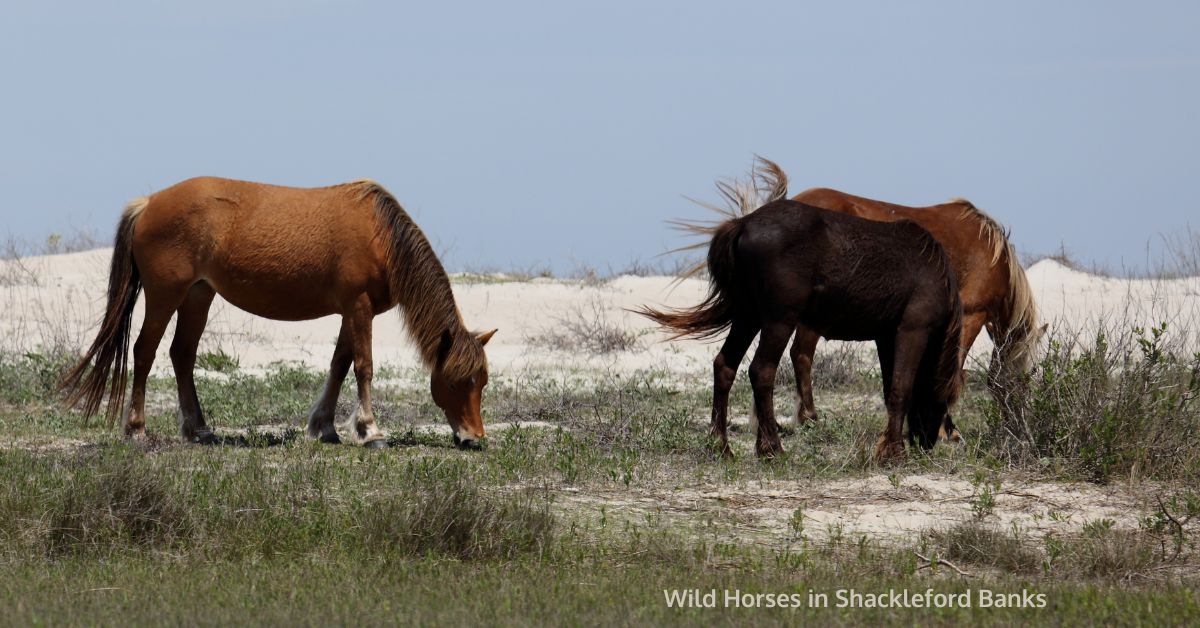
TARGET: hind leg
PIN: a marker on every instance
(193, 316)
(803, 348)
(160, 305)
(771, 343)
(725, 366)
(361, 426)
(320, 419)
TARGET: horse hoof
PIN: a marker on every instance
(888, 452)
(378, 443)
(206, 438)
(770, 452)
(330, 439)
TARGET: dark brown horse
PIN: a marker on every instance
(992, 286)
(286, 254)
(788, 264)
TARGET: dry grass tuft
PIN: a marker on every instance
(587, 328)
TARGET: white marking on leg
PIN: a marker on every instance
(753, 418)
(347, 428)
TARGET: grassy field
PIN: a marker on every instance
(597, 494)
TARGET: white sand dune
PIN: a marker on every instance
(59, 298)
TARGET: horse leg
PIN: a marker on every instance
(907, 352)
(771, 343)
(887, 355)
(160, 305)
(725, 366)
(362, 429)
(320, 418)
(193, 316)
(803, 348)
(971, 325)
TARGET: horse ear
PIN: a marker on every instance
(444, 346)
(486, 336)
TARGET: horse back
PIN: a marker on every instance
(254, 242)
(969, 238)
(845, 277)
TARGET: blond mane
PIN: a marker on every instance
(1022, 309)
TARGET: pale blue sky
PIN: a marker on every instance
(521, 134)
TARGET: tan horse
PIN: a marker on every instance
(992, 286)
(286, 254)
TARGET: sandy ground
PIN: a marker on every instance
(871, 507)
(57, 299)
(60, 298)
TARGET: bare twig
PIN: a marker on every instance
(1166, 513)
(939, 561)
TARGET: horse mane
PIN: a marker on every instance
(1018, 334)
(989, 230)
(420, 284)
(766, 184)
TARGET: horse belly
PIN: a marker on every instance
(276, 298)
(837, 318)
(292, 274)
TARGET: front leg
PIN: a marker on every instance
(361, 428)
(724, 373)
(906, 354)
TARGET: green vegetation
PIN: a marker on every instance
(1127, 404)
(562, 520)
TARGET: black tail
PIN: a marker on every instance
(716, 313)
(109, 352)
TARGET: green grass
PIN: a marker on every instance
(95, 531)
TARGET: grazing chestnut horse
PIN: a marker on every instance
(788, 264)
(992, 286)
(286, 254)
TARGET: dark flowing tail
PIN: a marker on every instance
(716, 312)
(85, 384)
(767, 183)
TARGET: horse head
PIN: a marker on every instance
(458, 393)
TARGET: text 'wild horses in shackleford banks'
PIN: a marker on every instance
(285, 254)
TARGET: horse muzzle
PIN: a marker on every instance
(468, 442)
